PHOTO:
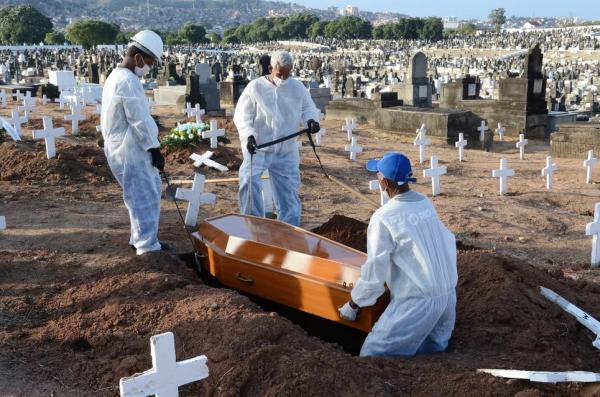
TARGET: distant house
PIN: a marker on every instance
(532, 25)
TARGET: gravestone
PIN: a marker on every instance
(349, 87)
(92, 73)
(209, 89)
(192, 91)
(471, 87)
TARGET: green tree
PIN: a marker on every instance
(317, 29)
(174, 38)
(89, 32)
(349, 28)
(55, 38)
(467, 29)
(192, 34)
(23, 24)
(497, 17)
(433, 29)
(214, 38)
(123, 37)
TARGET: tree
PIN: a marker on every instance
(192, 34)
(23, 24)
(433, 29)
(467, 29)
(89, 32)
(214, 38)
(55, 38)
(123, 37)
(497, 17)
(349, 28)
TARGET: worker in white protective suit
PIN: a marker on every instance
(270, 108)
(412, 253)
(131, 140)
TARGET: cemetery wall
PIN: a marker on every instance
(360, 109)
(575, 140)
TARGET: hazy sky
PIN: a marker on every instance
(586, 9)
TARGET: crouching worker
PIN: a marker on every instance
(414, 254)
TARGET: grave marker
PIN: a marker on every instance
(44, 100)
(49, 134)
(75, 117)
(188, 109)
(354, 148)
(195, 197)
(17, 121)
(214, 133)
(61, 101)
(501, 130)
(3, 99)
(349, 127)
(422, 141)
(435, 172)
(204, 159)
(593, 229)
(548, 171)
(503, 173)
(2, 223)
(196, 111)
(319, 136)
(166, 375)
(521, 146)
(10, 129)
(589, 164)
(482, 129)
(460, 144)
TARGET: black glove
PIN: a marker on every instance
(251, 145)
(158, 160)
(313, 126)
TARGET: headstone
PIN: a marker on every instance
(214, 133)
(63, 79)
(166, 375)
(435, 172)
(460, 144)
(503, 173)
(521, 146)
(204, 159)
(17, 121)
(349, 127)
(482, 129)
(195, 197)
(589, 165)
(593, 229)
(422, 141)
(354, 148)
(501, 130)
(49, 134)
(417, 90)
(548, 171)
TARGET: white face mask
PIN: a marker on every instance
(278, 82)
(140, 72)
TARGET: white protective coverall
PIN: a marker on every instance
(269, 112)
(129, 131)
(414, 254)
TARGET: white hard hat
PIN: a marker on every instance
(150, 43)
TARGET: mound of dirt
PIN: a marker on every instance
(225, 155)
(26, 161)
(86, 127)
(345, 230)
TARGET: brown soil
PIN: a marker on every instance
(223, 155)
(26, 162)
(348, 231)
(86, 127)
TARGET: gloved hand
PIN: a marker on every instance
(251, 145)
(158, 160)
(313, 126)
(347, 312)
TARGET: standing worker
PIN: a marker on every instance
(272, 107)
(413, 253)
(131, 140)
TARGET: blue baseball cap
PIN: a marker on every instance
(393, 166)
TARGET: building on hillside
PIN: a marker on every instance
(451, 23)
(349, 11)
(531, 24)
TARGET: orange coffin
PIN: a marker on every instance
(284, 264)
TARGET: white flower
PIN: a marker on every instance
(191, 136)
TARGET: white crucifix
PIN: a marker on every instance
(204, 159)
(422, 141)
(17, 121)
(548, 171)
(593, 229)
(61, 102)
(374, 185)
(75, 117)
(319, 136)
(589, 165)
(3, 99)
(49, 134)
(482, 129)
(195, 196)
(196, 111)
(521, 146)
(2, 223)
(26, 108)
(435, 172)
(166, 375)
(354, 148)
(503, 173)
(349, 127)
(188, 109)
(44, 100)
(10, 129)
(267, 193)
(214, 133)
(460, 144)
(17, 95)
(501, 130)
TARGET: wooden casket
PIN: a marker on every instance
(284, 264)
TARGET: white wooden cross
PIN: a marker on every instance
(589, 164)
(501, 130)
(3, 99)
(27, 107)
(435, 172)
(422, 142)
(204, 159)
(548, 171)
(17, 121)
(150, 104)
(503, 173)
(482, 129)
(319, 136)
(75, 117)
(349, 127)
(17, 95)
(267, 193)
(460, 144)
(521, 146)
(49, 134)
(354, 148)
(188, 109)
(8, 127)
(593, 229)
(61, 101)
(214, 133)
(374, 185)
(166, 375)
(2, 223)
(196, 111)
(195, 196)
(44, 100)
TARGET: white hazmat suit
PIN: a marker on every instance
(129, 131)
(414, 254)
(269, 112)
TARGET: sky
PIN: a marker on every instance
(466, 9)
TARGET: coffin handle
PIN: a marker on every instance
(247, 280)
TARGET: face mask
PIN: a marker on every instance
(278, 82)
(140, 72)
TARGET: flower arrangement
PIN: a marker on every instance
(184, 135)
